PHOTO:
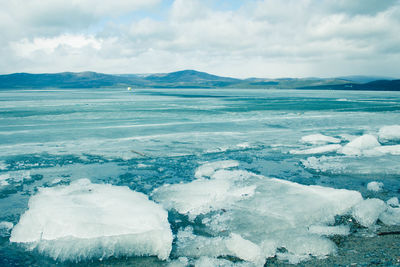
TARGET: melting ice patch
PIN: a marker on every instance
(85, 220)
(258, 214)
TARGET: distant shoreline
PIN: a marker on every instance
(190, 79)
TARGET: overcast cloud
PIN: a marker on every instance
(271, 38)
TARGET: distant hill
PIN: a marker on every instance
(67, 80)
(187, 79)
(190, 78)
(364, 79)
(380, 85)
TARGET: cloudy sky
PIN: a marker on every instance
(239, 38)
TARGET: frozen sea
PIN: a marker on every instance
(204, 177)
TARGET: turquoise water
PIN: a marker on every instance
(150, 137)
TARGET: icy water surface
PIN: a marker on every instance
(233, 177)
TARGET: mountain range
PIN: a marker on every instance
(189, 79)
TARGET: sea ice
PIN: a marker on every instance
(375, 186)
(319, 139)
(85, 220)
(388, 133)
(361, 145)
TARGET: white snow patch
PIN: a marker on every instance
(319, 139)
(85, 220)
(361, 145)
(318, 150)
(375, 186)
(367, 212)
(387, 133)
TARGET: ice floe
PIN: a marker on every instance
(86, 220)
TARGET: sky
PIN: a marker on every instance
(237, 38)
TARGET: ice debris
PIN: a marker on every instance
(375, 186)
(86, 220)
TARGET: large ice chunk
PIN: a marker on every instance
(361, 145)
(85, 220)
(375, 186)
(391, 132)
(368, 211)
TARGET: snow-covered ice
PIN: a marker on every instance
(86, 220)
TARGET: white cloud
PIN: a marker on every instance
(26, 48)
(262, 38)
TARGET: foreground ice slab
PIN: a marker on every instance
(85, 220)
(247, 212)
(252, 217)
